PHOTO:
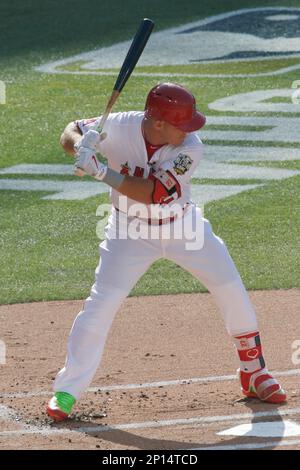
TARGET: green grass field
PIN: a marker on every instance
(49, 249)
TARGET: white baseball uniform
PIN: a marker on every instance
(124, 260)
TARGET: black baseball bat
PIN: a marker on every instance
(137, 46)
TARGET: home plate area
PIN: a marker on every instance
(167, 380)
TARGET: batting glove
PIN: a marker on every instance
(87, 162)
(91, 140)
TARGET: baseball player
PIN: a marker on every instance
(151, 157)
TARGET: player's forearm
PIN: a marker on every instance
(70, 137)
(138, 189)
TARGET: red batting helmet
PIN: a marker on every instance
(174, 104)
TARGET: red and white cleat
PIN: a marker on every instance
(262, 385)
(55, 412)
(60, 406)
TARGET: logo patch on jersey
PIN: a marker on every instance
(182, 164)
(125, 169)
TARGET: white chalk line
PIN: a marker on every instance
(147, 385)
(52, 66)
(7, 414)
(252, 446)
(168, 383)
(197, 421)
(281, 71)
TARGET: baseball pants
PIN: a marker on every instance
(122, 263)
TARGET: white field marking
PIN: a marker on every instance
(249, 59)
(256, 101)
(7, 414)
(74, 191)
(65, 190)
(212, 154)
(187, 48)
(285, 428)
(165, 383)
(204, 193)
(2, 92)
(168, 383)
(38, 169)
(37, 393)
(227, 153)
(198, 421)
(281, 17)
(35, 430)
(279, 129)
(201, 194)
(2, 352)
(281, 71)
(212, 170)
(252, 445)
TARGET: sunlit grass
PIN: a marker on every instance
(48, 249)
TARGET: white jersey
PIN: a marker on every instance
(125, 151)
(132, 245)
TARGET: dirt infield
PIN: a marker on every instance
(166, 380)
